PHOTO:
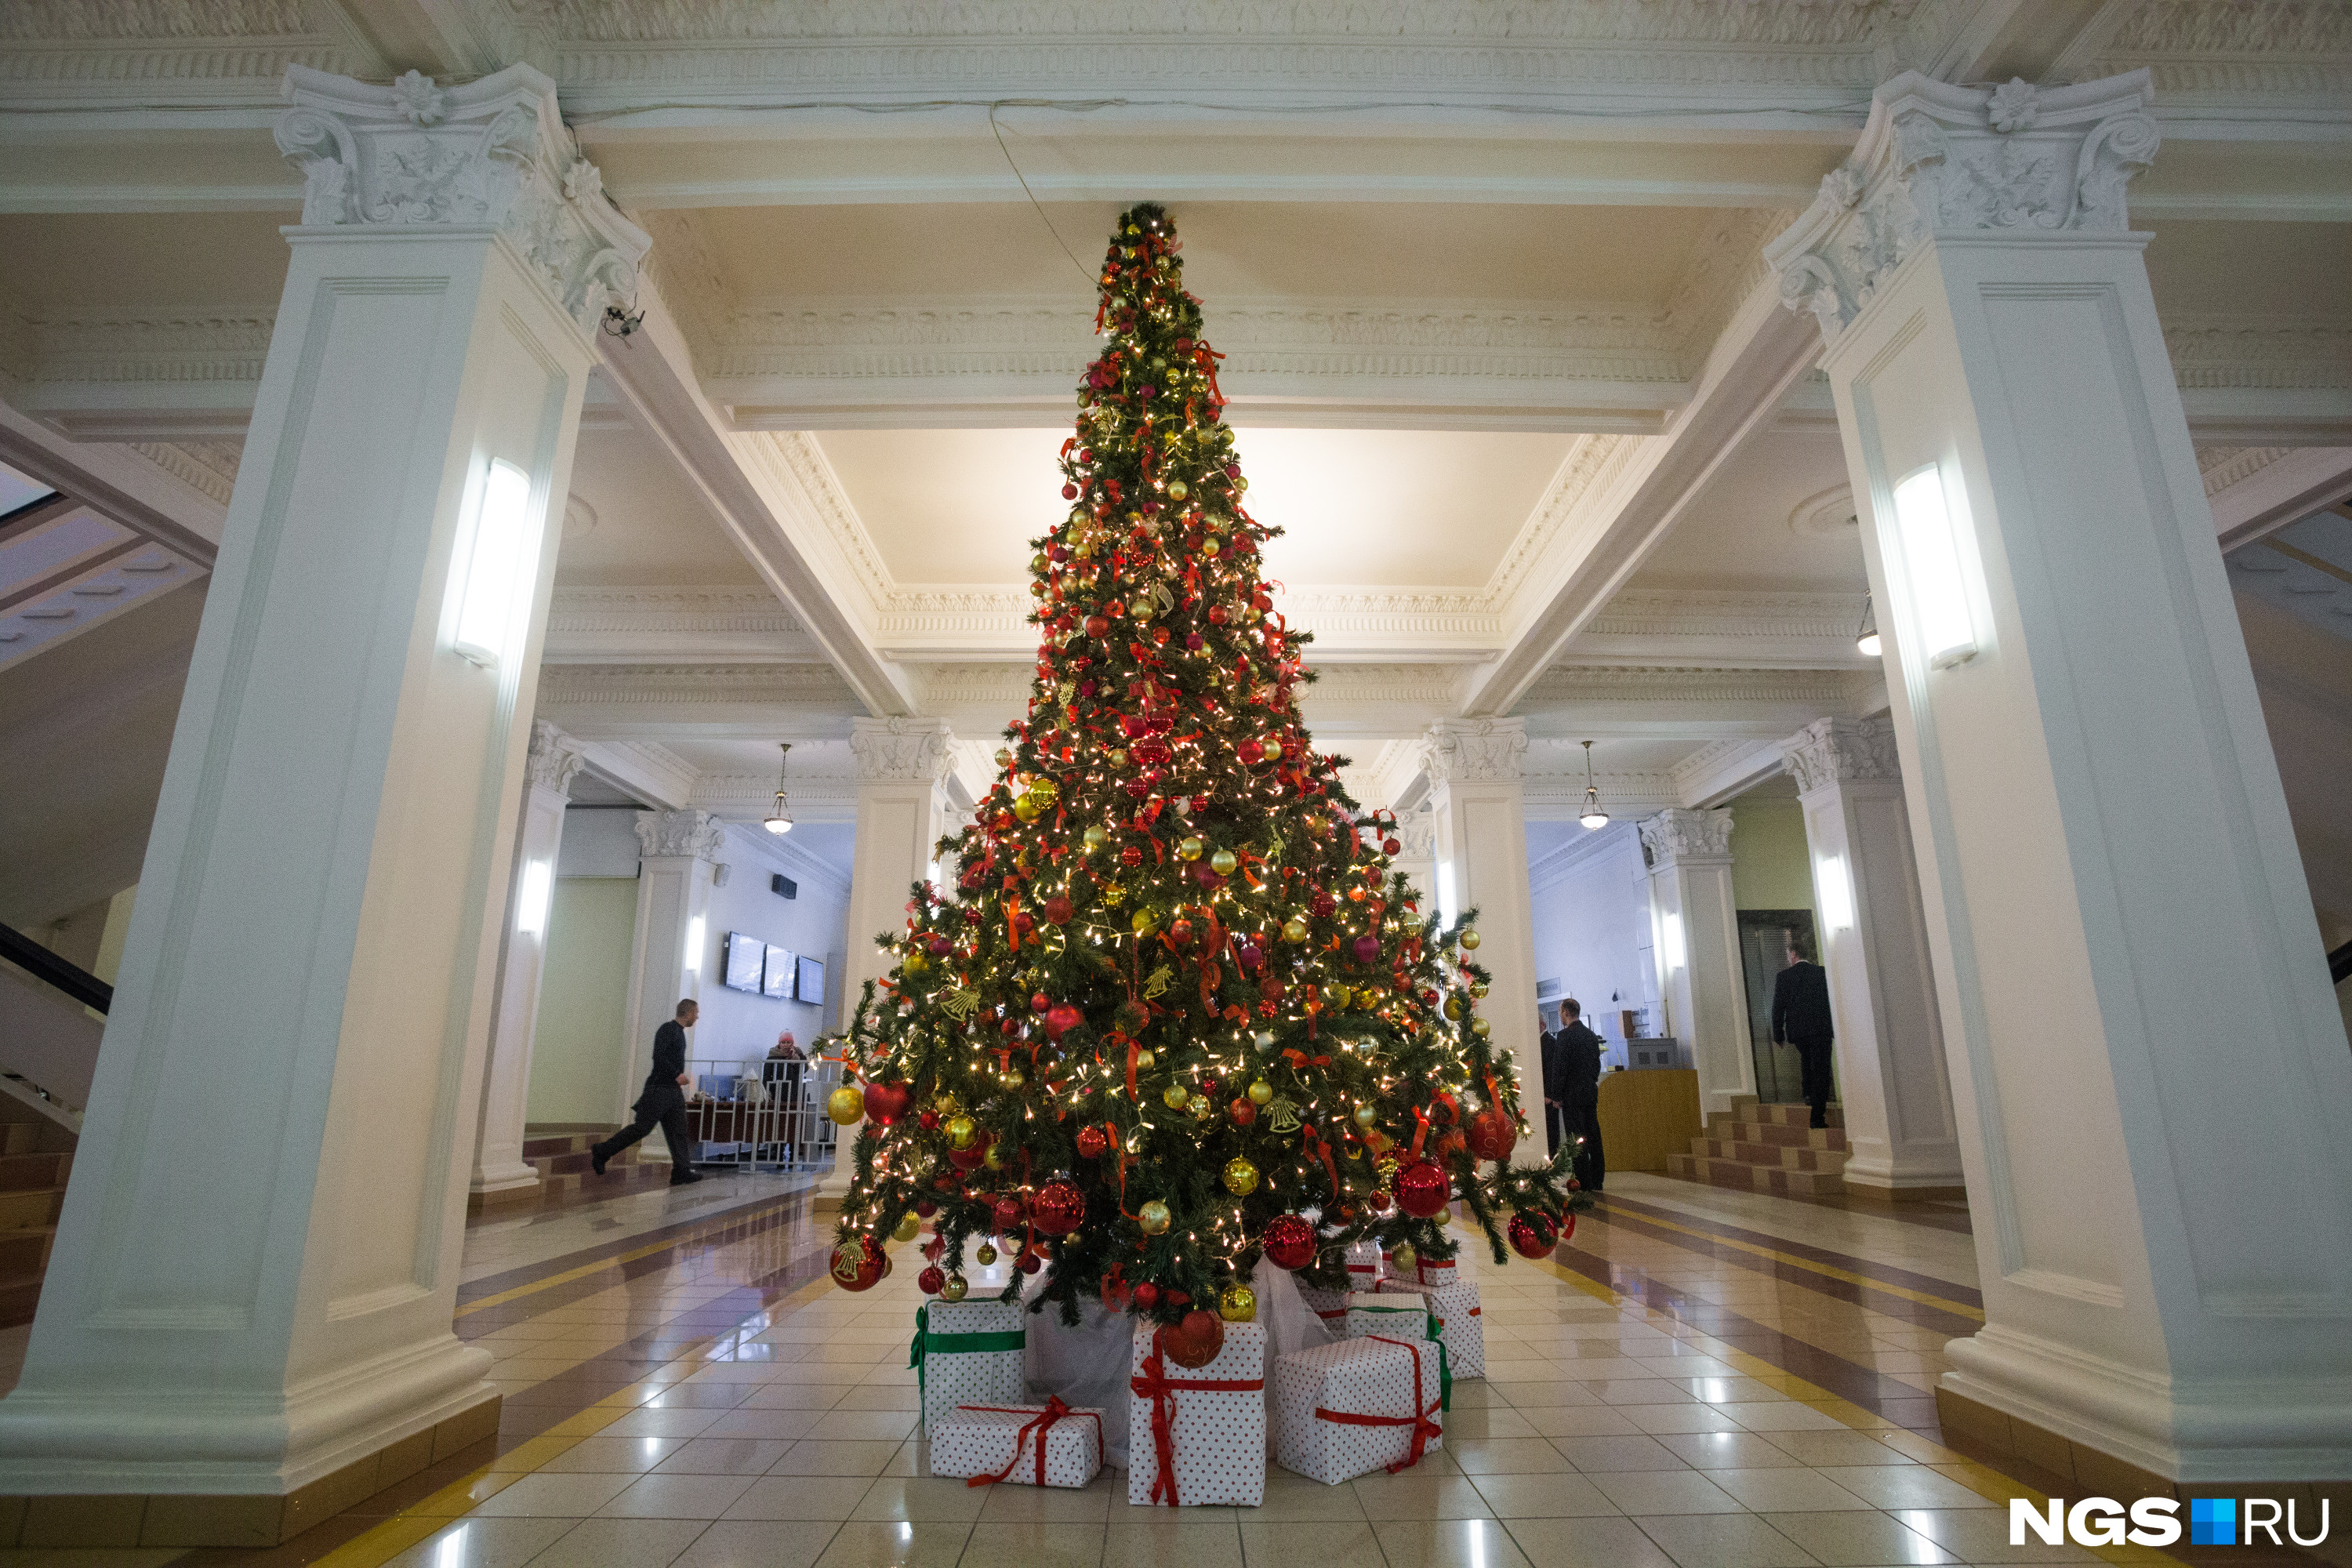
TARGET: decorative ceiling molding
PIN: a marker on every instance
(1634, 683)
(729, 623)
(2257, 352)
(2222, 466)
(2227, 49)
(1688, 627)
(208, 467)
(645, 702)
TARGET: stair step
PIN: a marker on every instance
(18, 1172)
(30, 1206)
(1779, 1156)
(1780, 1133)
(1744, 1177)
(1791, 1115)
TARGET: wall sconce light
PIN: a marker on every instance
(1931, 566)
(487, 618)
(532, 901)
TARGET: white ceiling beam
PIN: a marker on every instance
(2287, 488)
(1759, 357)
(649, 772)
(652, 373)
(721, 625)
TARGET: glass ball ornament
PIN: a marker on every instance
(1260, 1092)
(1532, 1234)
(1189, 848)
(1143, 1060)
(1404, 1257)
(984, 1255)
(907, 1227)
(1006, 1214)
(955, 1288)
(1423, 1189)
(1223, 861)
(962, 1130)
(1175, 1096)
(1093, 1143)
(930, 1281)
(1094, 837)
(1289, 1241)
(1471, 939)
(1143, 922)
(994, 1158)
(1241, 1177)
(1367, 1113)
(1154, 1217)
(1478, 989)
(1293, 930)
(1482, 1027)
(1058, 1208)
(1011, 1080)
(858, 1266)
(845, 1105)
(1491, 1135)
(1237, 1303)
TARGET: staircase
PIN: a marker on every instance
(1768, 1148)
(36, 1155)
(558, 1152)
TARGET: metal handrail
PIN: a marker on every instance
(761, 1114)
(47, 967)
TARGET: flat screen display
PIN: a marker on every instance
(779, 975)
(811, 987)
(745, 957)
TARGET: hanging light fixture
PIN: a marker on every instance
(779, 820)
(1865, 640)
(1593, 817)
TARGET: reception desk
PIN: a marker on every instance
(1646, 1114)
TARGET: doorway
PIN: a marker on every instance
(1768, 944)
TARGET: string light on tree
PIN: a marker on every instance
(1176, 998)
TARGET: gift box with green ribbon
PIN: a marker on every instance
(968, 1353)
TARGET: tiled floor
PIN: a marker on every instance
(1701, 1380)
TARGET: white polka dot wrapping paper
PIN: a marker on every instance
(1456, 1309)
(1030, 1446)
(1205, 1425)
(1346, 1410)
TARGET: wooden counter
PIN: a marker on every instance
(1647, 1114)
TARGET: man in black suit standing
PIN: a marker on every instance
(1548, 1054)
(1801, 1018)
(663, 1103)
(1580, 1062)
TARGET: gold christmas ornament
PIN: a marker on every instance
(1367, 1114)
(1096, 837)
(1011, 1079)
(1481, 1028)
(1405, 1254)
(984, 1256)
(909, 1225)
(1238, 1304)
(1471, 939)
(1479, 991)
(955, 1288)
(1189, 848)
(962, 1130)
(995, 1159)
(845, 1105)
(1154, 1217)
(1293, 930)
(1260, 1092)
(1222, 862)
(1143, 1060)
(1174, 1096)
(1241, 1177)
(1144, 921)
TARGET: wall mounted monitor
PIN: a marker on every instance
(811, 987)
(779, 975)
(746, 955)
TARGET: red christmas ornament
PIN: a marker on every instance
(1290, 1242)
(1248, 752)
(1062, 1019)
(1379, 1203)
(1058, 1209)
(1367, 948)
(1180, 933)
(1007, 1215)
(1193, 1343)
(1057, 910)
(1423, 1189)
(926, 1208)
(1324, 904)
(1131, 856)
(1147, 1295)
(1030, 1263)
(1096, 627)
(1093, 1143)
(1492, 1135)
(1532, 1235)
(972, 1159)
(885, 1102)
(1242, 1111)
(1040, 1002)
(930, 1281)
(859, 1263)
(1390, 845)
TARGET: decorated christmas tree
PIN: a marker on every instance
(1178, 1016)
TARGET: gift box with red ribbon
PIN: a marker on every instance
(1047, 1445)
(1197, 1435)
(1332, 1306)
(1455, 1307)
(1364, 1266)
(1348, 1409)
(1425, 1272)
(1401, 1317)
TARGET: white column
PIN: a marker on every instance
(2150, 1073)
(1477, 807)
(674, 943)
(1694, 930)
(903, 810)
(1416, 856)
(1890, 1043)
(553, 762)
(257, 1261)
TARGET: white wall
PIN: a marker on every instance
(735, 1024)
(598, 843)
(1592, 927)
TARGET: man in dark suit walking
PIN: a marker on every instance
(1580, 1062)
(1801, 1018)
(663, 1103)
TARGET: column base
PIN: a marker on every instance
(1878, 1194)
(62, 1519)
(1934, 1168)
(2051, 1405)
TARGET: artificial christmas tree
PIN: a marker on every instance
(1177, 1005)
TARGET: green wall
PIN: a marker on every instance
(1770, 868)
(583, 998)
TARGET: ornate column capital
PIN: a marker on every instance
(1934, 159)
(1474, 750)
(492, 154)
(1831, 750)
(902, 749)
(1417, 831)
(554, 759)
(1679, 837)
(679, 834)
